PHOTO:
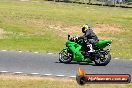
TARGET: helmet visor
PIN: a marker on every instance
(83, 29)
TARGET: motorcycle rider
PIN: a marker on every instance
(89, 37)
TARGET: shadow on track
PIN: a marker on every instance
(80, 63)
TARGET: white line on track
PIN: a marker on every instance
(4, 71)
(116, 58)
(20, 51)
(3, 50)
(50, 53)
(39, 74)
(34, 73)
(18, 72)
(130, 59)
(60, 75)
(72, 76)
(47, 74)
(36, 52)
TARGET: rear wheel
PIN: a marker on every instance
(102, 59)
(65, 57)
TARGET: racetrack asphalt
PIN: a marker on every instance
(42, 63)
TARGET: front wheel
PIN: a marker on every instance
(102, 59)
(65, 57)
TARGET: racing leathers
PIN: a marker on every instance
(89, 38)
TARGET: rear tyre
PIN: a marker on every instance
(65, 57)
(102, 59)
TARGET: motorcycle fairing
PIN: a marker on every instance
(74, 47)
(103, 43)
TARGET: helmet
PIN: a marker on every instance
(85, 27)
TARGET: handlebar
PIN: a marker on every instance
(75, 39)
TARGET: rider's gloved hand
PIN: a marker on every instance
(76, 38)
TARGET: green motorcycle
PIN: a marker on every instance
(76, 50)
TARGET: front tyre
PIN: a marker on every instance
(102, 59)
(65, 57)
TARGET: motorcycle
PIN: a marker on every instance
(76, 50)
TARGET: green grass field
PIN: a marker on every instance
(47, 82)
(43, 26)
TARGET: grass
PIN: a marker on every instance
(39, 26)
(47, 82)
